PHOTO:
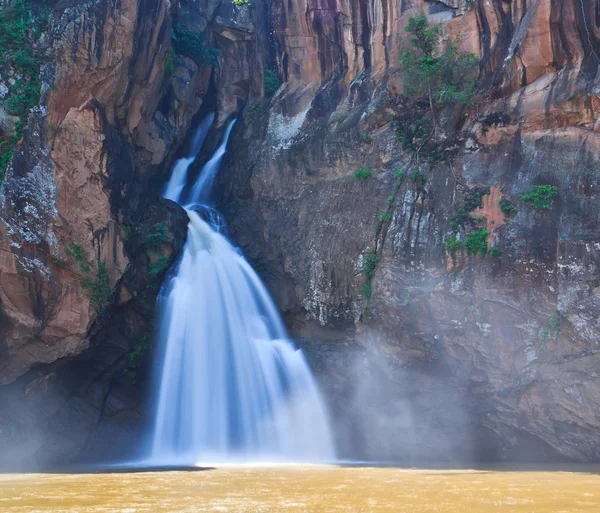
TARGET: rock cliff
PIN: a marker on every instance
(449, 354)
(457, 355)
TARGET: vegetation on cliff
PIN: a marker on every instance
(135, 356)
(193, 45)
(19, 73)
(452, 244)
(363, 174)
(272, 82)
(369, 267)
(540, 197)
(95, 278)
(551, 332)
(439, 81)
(476, 242)
(435, 69)
(473, 199)
(508, 209)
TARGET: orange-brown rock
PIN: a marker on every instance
(58, 191)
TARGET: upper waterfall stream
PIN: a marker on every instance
(232, 386)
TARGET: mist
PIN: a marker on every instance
(382, 412)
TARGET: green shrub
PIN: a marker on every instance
(80, 256)
(540, 197)
(544, 337)
(143, 344)
(170, 67)
(370, 264)
(367, 139)
(459, 219)
(17, 28)
(15, 21)
(130, 230)
(249, 115)
(365, 290)
(158, 266)
(134, 356)
(554, 323)
(384, 217)
(24, 96)
(363, 174)
(98, 286)
(410, 134)
(272, 82)
(6, 154)
(507, 208)
(496, 252)
(340, 119)
(399, 177)
(476, 242)
(551, 332)
(419, 179)
(473, 200)
(193, 45)
(452, 244)
(158, 237)
(96, 279)
(368, 271)
(435, 69)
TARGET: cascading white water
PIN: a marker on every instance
(201, 190)
(178, 179)
(232, 386)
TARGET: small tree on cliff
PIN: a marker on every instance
(435, 68)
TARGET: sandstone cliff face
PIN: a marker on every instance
(86, 167)
(493, 378)
(67, 178)
(79, 208)
(455, 354)
(77, 186)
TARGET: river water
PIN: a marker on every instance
(303, 489)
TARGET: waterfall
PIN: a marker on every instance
(179, 176)
(201, 190)
(232, 386)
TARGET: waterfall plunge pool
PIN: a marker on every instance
(305, 489)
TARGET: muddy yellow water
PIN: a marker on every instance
(303, 489)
